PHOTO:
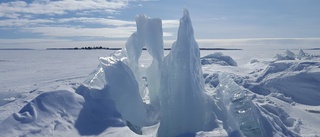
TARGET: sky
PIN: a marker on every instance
(109, 23)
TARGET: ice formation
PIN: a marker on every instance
(182, 98)
(239, 111)
(113, 101)
(133, 51)
(276, 78)
(287, 55)
(149, 35)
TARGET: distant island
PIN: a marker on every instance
(107, 48)
(85, 48)
(313, 49)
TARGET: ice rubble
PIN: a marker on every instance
(291, 79)
(283, 76)
(247, 114)
(240, 113)
(289, 55)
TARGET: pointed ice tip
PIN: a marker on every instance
(185, 12)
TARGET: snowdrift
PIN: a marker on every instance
(50, 114)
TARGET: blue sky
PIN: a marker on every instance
(76, 23)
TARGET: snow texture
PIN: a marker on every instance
(51, 111)
(282, 77)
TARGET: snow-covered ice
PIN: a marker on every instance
(249, 92)
(218, 58)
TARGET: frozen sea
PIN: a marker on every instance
(24, 74)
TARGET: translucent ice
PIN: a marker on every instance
(150, 34)
(239, 110)
(133, 51)
(113, 81)
(182, 97)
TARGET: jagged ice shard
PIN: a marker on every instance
(240, 113)
(111, 92)
(182, 97)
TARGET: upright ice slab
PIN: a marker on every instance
(240, 113)
(133, 51)
(149, 34)
(112, 88)
(182, 97)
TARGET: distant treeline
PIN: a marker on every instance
(107, 48)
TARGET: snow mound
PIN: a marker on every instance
(51, 113)
(218, 58)
(184, 107)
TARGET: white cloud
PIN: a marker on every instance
(114, 28)
(42, 22)
(30, 41)
(253, 43)
(23, 17)
(116, 32)
(23, 22)
(167, 34)
(61, 7)
(170, 23)
(103, 21)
